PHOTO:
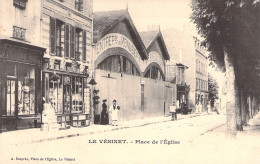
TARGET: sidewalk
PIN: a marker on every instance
(215, 148)
(36, 135)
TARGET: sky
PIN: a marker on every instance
(166, 13)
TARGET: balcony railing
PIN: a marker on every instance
(19, 32)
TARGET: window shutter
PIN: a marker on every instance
(52, 36)
(67, 41)
(84, 46)
(72, 42)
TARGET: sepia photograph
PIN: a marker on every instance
(130, 81)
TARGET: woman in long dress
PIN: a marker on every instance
(104, 113)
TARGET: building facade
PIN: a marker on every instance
(175, 73)
(20, 64)
(129, 67)
(187, 50)
(201, 73)
(66, 33)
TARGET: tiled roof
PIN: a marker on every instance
(104, 20)
(147, 37)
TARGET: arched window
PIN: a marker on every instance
(118, 64)
(154, 73)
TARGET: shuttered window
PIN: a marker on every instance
(67, 41)
(84, 46)
(52, 36)
(72, 42)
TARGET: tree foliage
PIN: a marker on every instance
(213, 89)
(233, 26)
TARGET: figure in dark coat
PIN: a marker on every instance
(104, 113)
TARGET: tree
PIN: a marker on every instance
(231, 29)
(213, 89)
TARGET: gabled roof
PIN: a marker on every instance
(103, 22)
(149, 37)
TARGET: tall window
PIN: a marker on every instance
(59, 38)
(79, 5)
(67, 41)
(78, 43)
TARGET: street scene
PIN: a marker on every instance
(129, 81)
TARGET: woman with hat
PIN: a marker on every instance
(113, 110)
(104, 113)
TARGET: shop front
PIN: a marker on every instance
(67, 92)
(20, 85)
(183, 98)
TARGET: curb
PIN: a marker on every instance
(212, 129)
(107, 130)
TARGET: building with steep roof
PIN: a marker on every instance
(129, 66)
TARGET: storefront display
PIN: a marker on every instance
(20, 98)
(67, 96)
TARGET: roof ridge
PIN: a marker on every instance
(109, 11)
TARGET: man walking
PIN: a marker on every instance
(173, 111)
(113, 110)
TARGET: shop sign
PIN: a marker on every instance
(20, 54)
(117, 40)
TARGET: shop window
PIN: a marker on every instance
(26, 90)
(77, 95)
(55, 92)
(10, 97)
(79, 5)
(67, 94)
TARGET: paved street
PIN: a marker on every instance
(174, 141)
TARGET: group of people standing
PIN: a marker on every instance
(199, 108)
(112, 111)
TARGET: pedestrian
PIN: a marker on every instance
(200, 107)
(197, 107)
(209, 107)
(173, 111)
(104, 113)
(113, 110)
(48, 116)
